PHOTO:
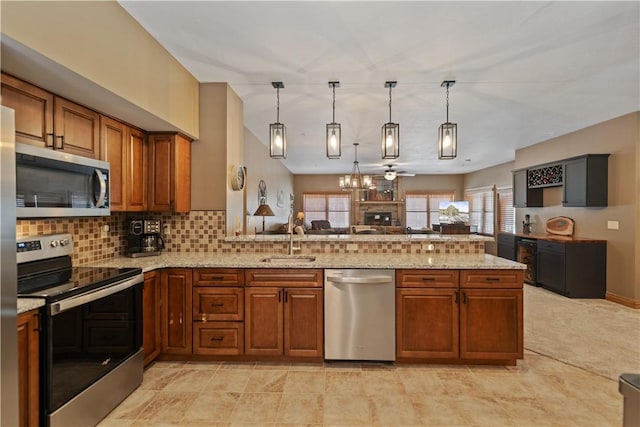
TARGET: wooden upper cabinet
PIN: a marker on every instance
(125, 148)
(137, 171)
(114, 137)
(33, 111)
(77, 129)
(169, 172)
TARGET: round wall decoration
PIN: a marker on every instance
(238, 177)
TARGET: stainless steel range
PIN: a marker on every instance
(91, 340)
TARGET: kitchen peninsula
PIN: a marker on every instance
(454, 303)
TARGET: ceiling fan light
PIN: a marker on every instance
(390, 175)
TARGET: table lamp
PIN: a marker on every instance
(263, 210)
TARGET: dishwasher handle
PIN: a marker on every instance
(370, 280)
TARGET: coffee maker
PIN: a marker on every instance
(144, 238)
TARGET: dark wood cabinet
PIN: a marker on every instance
(507, 246)
(176, 310)
(284, 312)
(574, 269)
(151, 318)
(585, 181)
(218, 311)
(523, 196)
(28, 369)
(169, 173)
(33, 111)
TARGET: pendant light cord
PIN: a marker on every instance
(278, 105)
(390, 103)
(334, 104)
(447, 103)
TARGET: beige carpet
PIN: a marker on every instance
(599, 336)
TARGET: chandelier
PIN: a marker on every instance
(355, 180)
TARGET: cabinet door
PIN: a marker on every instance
(176, 311)
(136, 171)
(491, 324)
(77, 129)
(523, 196)
(551, 270)
(303, 322)
(574, 191)
(28, 369)
(263, 321)
(113, 150)
(33, 111)
(427, 323)
(151, 326)
(169, 173)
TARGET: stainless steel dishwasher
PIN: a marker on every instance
(359, 315)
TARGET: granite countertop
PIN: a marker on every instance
(28, 304)
(255, 260)
(557, 238)
(362, 238)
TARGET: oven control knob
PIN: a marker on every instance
(54, 243)
(64, 242)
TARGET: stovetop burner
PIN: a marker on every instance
(45, 270)
(79, 280)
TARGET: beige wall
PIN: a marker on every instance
(499, 175)
(99, 41)
(279, 180)
(235, 157)
(619, 137)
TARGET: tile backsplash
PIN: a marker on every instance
(199, 232)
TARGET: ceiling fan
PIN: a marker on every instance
(390, 174)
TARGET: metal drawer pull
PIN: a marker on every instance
(217, 339)
(457, 297)
(217, 304)
(428, 279)
(217, 278)
(464, 297)
(492, 279)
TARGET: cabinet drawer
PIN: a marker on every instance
(549, 246)
(494, 279)
(218, 304)
(288, 277)
(218, 338)
(507, 238)
(427, 278)
(218, 277)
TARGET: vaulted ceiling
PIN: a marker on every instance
(525, 71)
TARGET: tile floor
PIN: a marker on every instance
(544, 389)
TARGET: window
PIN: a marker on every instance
(422, 208)
(333, 207)
(481, 208)
(506, 211)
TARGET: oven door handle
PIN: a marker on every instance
(66, 304)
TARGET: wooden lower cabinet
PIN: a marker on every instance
(218, 311)
(491, 324)
(427, 323)
(478, 317)
(151, 318)
(286, 320)
(176, 309)
(29, 368)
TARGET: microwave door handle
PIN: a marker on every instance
(103, 188)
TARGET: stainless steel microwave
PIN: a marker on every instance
(51, 183)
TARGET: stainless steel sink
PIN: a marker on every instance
(288, 259)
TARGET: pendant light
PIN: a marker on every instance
(277, 131)
(390, 132)
(355, 181)
(334, 134)
(447, 132)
